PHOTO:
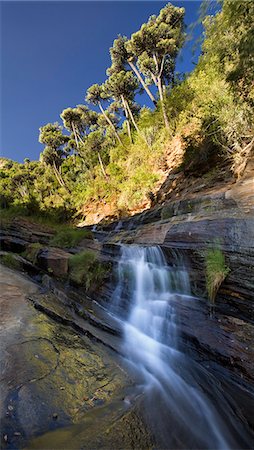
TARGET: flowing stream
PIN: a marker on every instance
(182, 401)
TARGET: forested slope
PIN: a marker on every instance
(110, 156)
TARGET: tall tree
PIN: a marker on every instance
(52, 137)
(156, 46)
(121, 86)
(95, 95)
(94, 143)
(89, 118)
(121, 57)
(79, 120)
(103, 123)
(72, 121)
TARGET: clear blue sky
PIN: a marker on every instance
(53, 51)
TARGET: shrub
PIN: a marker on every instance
(10, 261)
(69, 237)
(86, 270)
(216, 271)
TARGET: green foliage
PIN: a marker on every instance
(216, 271)
(11, 261)
(99, 162)
(230, 39)
(69, 237)
(86, 270)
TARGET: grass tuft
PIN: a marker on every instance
(216, 271)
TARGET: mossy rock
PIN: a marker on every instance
(32, 252)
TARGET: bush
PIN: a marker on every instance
(10, 261)
(70, 237)
(86, 270)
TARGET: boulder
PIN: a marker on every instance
(54, 260)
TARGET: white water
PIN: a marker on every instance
(182, 401)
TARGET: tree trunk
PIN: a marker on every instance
(149, 93)
(57, 174)
(59, 177)
(102, 167)
(134, 123)
(75, 134)
(110, 123)
(164, 112)
(131, 116)
(127, 118)
(158, 81)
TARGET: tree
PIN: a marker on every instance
(94, 143)
(121, 58)
(54, 140)
(95, 95)
(121, 86)
(79, 120)
(156, 46)
(72, 122)
(229, 38)
(102, 122)
(89, 118)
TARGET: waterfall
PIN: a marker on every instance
(182, 401)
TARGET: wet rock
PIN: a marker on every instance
(47, 282)
(97, 323)
(67, 359)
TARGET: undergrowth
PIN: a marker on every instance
(85, 270)
(69, 237)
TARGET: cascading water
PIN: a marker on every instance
(182, 401)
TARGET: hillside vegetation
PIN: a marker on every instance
(110, 156)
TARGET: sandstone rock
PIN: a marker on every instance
(54, 260)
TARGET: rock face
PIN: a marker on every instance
(21, 231)
(186, 228)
